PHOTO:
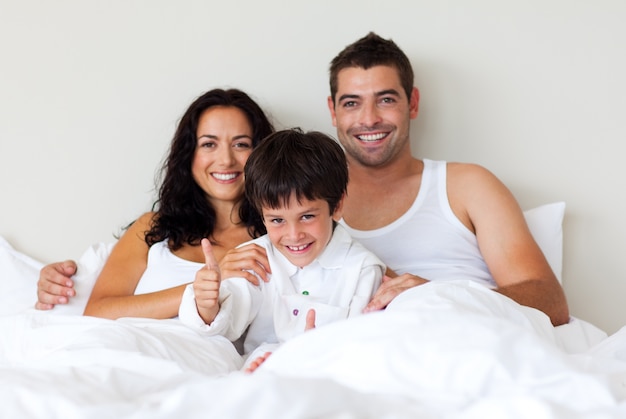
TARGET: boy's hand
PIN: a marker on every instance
(206, 286)
(310, 320)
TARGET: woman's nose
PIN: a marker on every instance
(226, 156)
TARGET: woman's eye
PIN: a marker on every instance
(244, 145)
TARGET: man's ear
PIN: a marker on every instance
(331, 108)
(414, 102)
(338, 213)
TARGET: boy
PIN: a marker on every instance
(297, 182)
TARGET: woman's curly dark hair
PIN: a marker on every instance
(183, 214)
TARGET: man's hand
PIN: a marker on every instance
(239, 261)
(206, 286)
(391, 288)
(55, 285)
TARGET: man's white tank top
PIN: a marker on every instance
(428, 240)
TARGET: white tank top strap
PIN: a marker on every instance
(428, 240)
(165, 270)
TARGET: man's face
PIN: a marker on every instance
(372, 114)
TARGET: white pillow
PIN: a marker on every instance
(90, 265)
(19, 274)
(18, 279)
(546, 225)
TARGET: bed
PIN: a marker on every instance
(453, 350)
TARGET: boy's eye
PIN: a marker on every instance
(276, 220)
(308, 216)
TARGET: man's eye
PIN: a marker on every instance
(349, 104)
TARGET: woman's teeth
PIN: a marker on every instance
(225, 176)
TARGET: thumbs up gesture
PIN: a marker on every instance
(206, 286)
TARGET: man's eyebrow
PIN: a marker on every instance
(388, 92)
(347, 96)
(385, 92)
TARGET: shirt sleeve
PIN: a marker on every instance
(239, 304)
(370, 278)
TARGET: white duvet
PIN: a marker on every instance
(452, 350)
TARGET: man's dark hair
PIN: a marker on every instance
(371, 51)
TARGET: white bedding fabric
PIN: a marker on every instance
(453, 350)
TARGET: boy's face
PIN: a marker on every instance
(301, 230)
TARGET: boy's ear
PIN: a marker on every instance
(338, 213)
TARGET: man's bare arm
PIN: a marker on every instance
(516, 262)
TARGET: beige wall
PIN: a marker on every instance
(90, 93)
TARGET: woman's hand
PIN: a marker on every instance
(240, 261)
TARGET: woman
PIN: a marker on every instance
(201, 196)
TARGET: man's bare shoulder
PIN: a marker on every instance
(470, 176)
(474, 190)
(459, 168)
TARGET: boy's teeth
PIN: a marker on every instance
(298, 248)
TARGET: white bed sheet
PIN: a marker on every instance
(440, 350)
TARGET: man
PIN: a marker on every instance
(426, 220)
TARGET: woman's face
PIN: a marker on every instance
(224, 143)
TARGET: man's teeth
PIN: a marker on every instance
(298, 248)
(225, 176)
(372, 137)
